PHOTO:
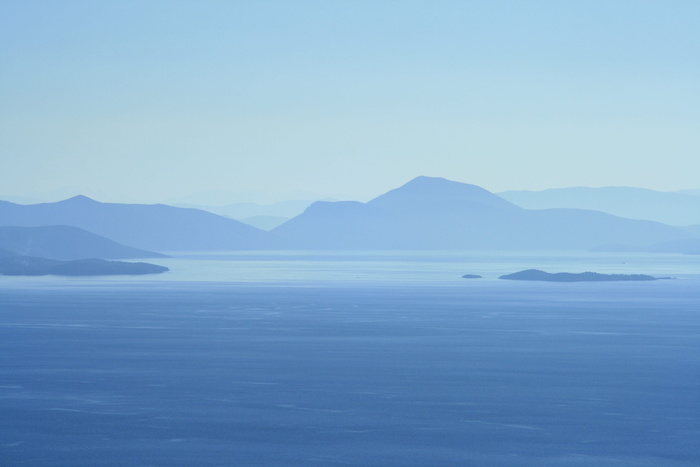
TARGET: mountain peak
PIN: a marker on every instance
(80, 199)
(436, 190)
(424, 179)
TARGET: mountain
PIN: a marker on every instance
(61, 242)
(264, 222)
(153, 227)
(21, 199)
(30, 266)
(425, 213)
(693, 229)
(689, 246)
(240, 211)
(678, 208)
(434, 213)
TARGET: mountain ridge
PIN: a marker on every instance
(459, 216)
(672, 208)
(63, 242)
(156, 227)
(425, 213)
(428, 191)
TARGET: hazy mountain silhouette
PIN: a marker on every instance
(693, 229)
(434, 213)
(425, 213)
(677, 208)
(264, 222)
(689, 246)
(63, 242)
(153, 227)
(22, 199)
(240, 211)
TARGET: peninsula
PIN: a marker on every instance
(31, 266)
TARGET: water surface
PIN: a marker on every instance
(323, 366)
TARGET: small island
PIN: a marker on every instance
(537, 275)
(471, 276)
(32, 266)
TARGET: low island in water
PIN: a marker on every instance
(31, 266)
(537, 275)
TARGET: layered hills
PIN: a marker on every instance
(67, 251)
(434, 213)
(239, 211)
(63, 242)
(426, 213)
(152, 227)
(673, 208)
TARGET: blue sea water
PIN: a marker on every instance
(338, 359)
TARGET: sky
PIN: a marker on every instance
(158, 101)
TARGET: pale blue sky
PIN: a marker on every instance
(154, 100)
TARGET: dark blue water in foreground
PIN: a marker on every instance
(494, 373)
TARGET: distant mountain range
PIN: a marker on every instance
(673, 208)
(62, 242)
(688, 246)
(264, 222)
(425, 213)
(434, 213)
(152, 227)
(286, 209)
(261, 216)
(693, 229)
(67, 251)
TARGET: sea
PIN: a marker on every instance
(383, 358)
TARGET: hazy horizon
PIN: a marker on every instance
(437, 321)
(222, 198)
(149, 102)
